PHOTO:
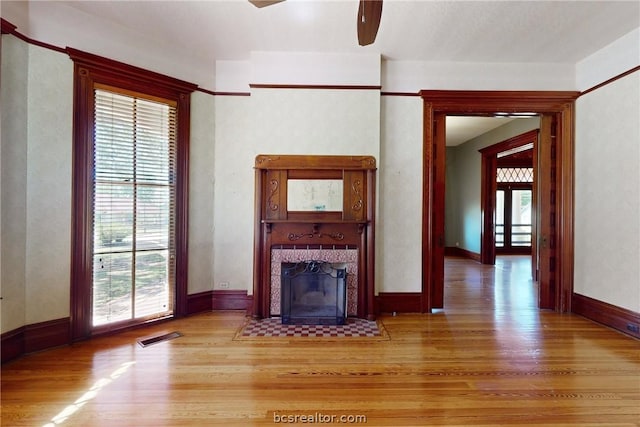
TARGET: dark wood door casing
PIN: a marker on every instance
(487, 103)
(439, 162)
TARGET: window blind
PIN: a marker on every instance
(134, 189)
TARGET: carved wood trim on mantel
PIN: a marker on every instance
(276, 226)
(302, 162)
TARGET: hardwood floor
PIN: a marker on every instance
(490, 358)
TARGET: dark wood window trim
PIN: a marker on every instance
(88, 70)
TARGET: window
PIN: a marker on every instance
(133, 207)
(515, 175)
(130, 149)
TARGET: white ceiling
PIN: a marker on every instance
(411, 30)
(498, 31)
(461, 129)
(199, 33)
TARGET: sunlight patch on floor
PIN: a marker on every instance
(88, 395)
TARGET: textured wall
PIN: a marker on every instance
(607, 223)
(277, 121)
(399, 261)
(50, 104)
(15, 63)
(228, 132)
(201, 182)
(36, 184)
(233, 193)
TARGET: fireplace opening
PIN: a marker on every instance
(313, 293)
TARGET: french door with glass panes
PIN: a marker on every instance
(513, 218)
(134, 156)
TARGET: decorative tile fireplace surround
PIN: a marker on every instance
(343, 236)
(346, 256)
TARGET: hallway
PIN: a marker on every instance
(475, 287)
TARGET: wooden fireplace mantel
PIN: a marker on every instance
(276, 226)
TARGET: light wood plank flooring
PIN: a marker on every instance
(491, 358)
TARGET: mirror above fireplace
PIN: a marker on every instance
(314, 195)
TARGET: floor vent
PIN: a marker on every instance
(144, 342)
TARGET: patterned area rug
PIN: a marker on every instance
(273, 328)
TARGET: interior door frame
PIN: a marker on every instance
(488, 202)
(488, 103)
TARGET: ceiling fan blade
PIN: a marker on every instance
(263, 3)
(369, 14)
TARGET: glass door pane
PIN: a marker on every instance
(521, 218)
(500, 218)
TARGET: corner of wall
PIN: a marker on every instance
(610, 61)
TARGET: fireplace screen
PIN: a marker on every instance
(313, 293)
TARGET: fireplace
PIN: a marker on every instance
(318, 208)
(313, 293)
(343, 256)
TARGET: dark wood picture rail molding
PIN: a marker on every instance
(325, 87)
(9, 28)
(217, 93)
(416, 94)
(611, 80)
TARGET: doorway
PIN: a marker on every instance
(509, 168)
(555, 198)
(503, 148)
(513, 218)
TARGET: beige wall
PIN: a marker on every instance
(233, 193)
(277, 121)
(15, 61)
(201, 184)
(607, 219)
(49, 185)
(36, 191)
(399, 237)
(229, 131)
